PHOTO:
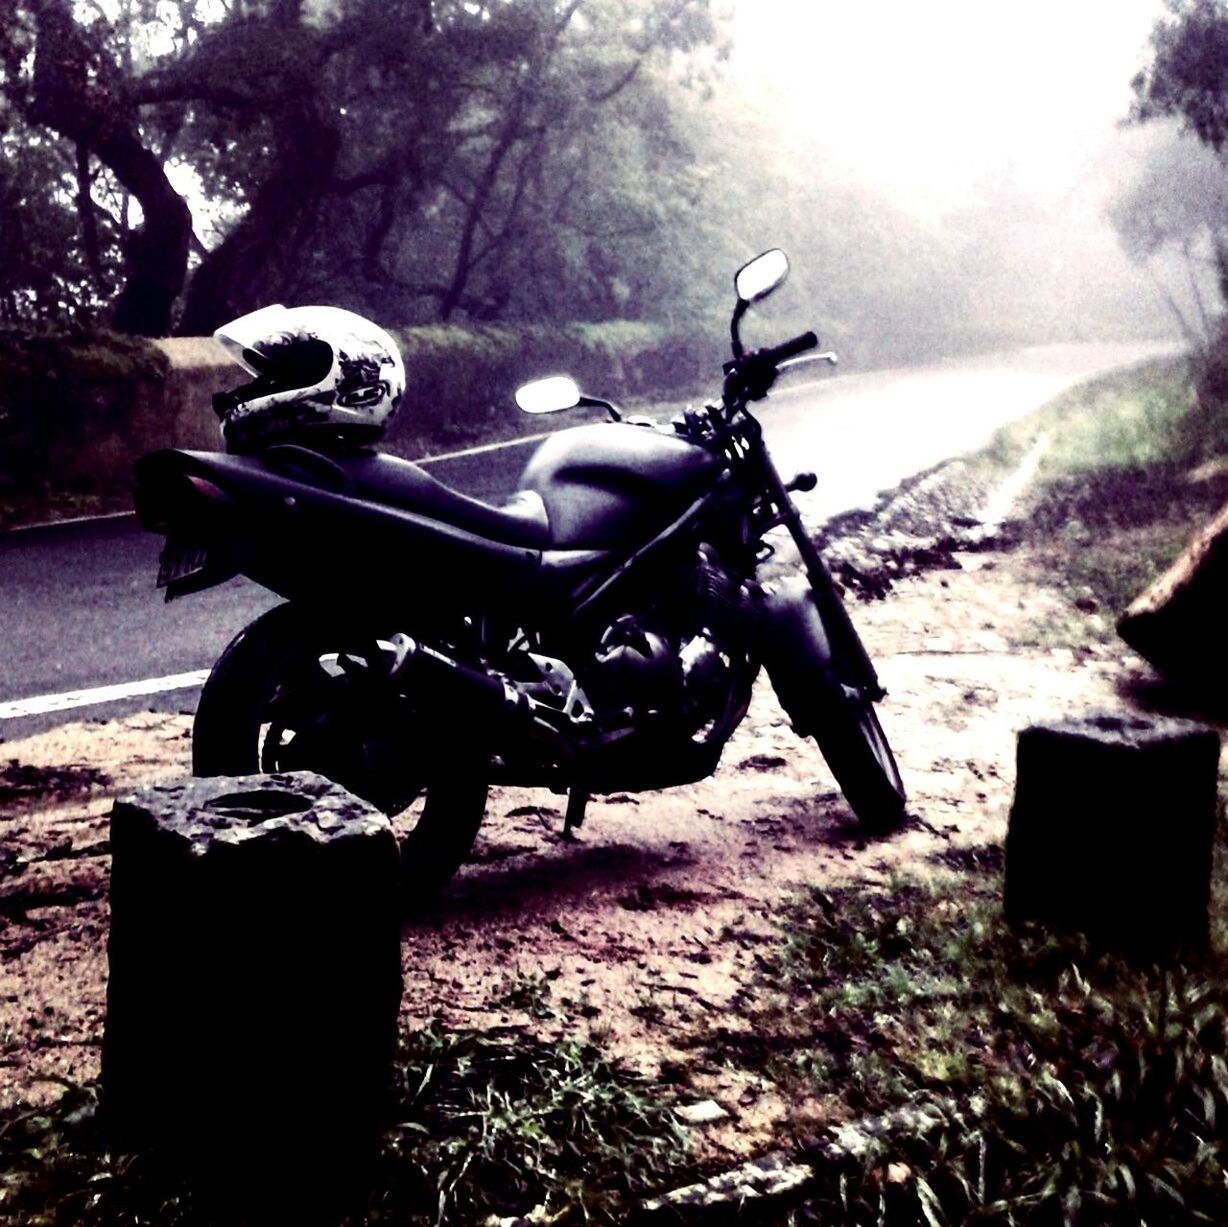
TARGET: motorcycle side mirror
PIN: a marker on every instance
(757, 278)
(550, 395)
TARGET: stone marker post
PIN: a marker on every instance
(1111, 829)
(255, 978)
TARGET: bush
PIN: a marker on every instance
(461, 380)
(1211, 392)
(66, 403)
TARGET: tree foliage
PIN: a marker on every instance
(1173, 217)
(1187, 77)
(401, 150)
(170, 164)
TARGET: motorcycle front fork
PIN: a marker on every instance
(849, 653)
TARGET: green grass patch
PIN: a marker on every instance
(998, 1076)
(1131, 418)
(482, 1126)
(1122, 487)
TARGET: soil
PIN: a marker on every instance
(650, 924)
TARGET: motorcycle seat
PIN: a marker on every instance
(379, 478)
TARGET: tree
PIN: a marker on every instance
(1179, 203)
(47, 271)
(335, 137)
(59, 75)
(1187, 78)
(1172, 220)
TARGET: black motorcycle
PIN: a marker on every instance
(599, 633)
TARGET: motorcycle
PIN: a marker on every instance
(600, 633)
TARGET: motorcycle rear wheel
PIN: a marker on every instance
(856, 749)
(275, 675)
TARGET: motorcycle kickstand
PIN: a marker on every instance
(577, 800)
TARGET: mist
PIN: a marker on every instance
(980, 149)
(946, 177)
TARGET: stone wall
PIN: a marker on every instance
(179, 413)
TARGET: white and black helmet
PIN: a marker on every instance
(317, 369)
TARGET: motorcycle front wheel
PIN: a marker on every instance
(856, 749)
(296, 692)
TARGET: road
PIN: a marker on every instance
(81, 611)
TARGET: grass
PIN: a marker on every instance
(1121, 489)
(482, 1126)
(1004, 1077)
(1127, 419)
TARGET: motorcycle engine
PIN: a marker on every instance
(677, 659)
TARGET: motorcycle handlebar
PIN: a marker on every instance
(789, 349)
(749, 378)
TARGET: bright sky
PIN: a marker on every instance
(935, 98)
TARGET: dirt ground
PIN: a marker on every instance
(651, 922)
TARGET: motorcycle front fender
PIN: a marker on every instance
(796, 651)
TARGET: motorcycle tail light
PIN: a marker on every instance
(163, 502)
(207, 489)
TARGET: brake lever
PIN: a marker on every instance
(830, 357)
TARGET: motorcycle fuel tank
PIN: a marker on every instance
(614, 484)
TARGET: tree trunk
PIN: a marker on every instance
(252, 266)
(1178, 623)
(75, 93)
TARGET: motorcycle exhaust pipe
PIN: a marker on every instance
(472, 692)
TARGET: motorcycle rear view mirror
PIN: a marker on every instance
(549, 395)
(759, 277)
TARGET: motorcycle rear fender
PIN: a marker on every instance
(795, 648)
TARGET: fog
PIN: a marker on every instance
(954, 109)
(941, 171)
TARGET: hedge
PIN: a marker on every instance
(77, 409)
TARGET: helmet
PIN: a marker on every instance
(317, 369)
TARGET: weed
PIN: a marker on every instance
(500, 1128)
(529, 992)
(1004, 1076)
(480, 1127)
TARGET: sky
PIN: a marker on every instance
(933, 100)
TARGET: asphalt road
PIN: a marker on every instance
(81, 612)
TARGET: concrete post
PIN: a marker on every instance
(255, 979)
(1111, 829)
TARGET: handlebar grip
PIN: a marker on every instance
(790, 349)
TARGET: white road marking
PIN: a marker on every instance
(40, 705)
(482, 448)
(67, 523)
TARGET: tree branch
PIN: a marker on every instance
(89, 222)
(621, 84)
